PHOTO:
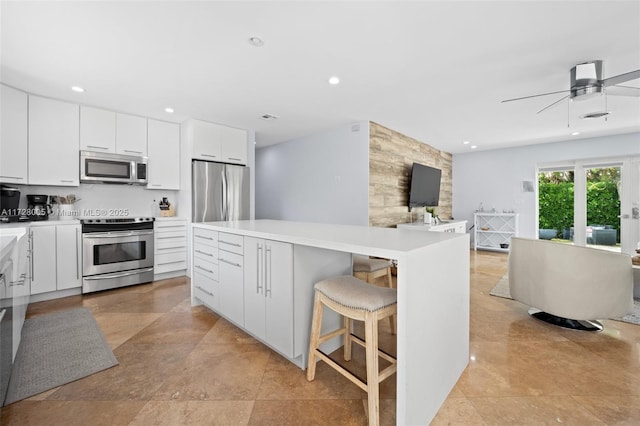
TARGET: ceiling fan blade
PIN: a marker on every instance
(553, 104)
(623, 91)
(535, 96)
(617, 79)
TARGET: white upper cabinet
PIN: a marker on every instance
(53, 142)
(97, 129)
(233, 145)
(13, 136)
(205, 140)
(164, 155)
(131, 135)
(214, 142)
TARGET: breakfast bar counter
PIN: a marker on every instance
(432, 281)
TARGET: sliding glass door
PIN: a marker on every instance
(591, 203)
(603, 198)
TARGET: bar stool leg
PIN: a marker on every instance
(314, 339)
(392, 318)
(347, 339)
(371, 347)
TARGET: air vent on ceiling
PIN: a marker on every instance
(595, 115)
(268, 117)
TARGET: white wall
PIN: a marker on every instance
(319, 178)
(136, 200)
(494, 177)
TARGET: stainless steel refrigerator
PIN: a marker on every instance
(220, 192)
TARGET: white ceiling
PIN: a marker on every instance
(435, 71)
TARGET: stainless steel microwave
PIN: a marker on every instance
(100, 167)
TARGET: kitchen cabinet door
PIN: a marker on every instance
(205, 140)
(43, 259)
(97, 129)
(254, 303)
(233, 145)
(131, 135)
(53, 142)
(13, 136)
(279, 296)
(164, 155)
(268, 292)
(231, 300)
(68, 249)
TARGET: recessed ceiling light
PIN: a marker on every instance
(169, 110)
(269, 117)
(256, 41)
(466, 142)
(474, 146)
(575, 133)
(77, 89)
(334, 80)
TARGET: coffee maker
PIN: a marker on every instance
(38, 207)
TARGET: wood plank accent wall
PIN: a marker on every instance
(391, 155)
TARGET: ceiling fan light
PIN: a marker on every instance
(586, 71)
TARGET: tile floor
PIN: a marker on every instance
(182, 365)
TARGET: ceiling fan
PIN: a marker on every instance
(586, 81)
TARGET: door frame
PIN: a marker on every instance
(629, 197)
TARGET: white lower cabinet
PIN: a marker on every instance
(268, 292)
(205, 274)
(55, 258)
(170, 247)
(68, 252)
(230, 289)
(43, 267)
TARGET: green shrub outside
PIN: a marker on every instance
(556, 202)
(555, 206)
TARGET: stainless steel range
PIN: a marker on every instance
(116, 252)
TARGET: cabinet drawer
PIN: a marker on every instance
(170, 225)
(170, 233)
(208, 269)
(171, 243)
(209, 254)
(231, 242)
(170, 267)
(206, 290)
(172, 257)
(205, 236)
(229, 258)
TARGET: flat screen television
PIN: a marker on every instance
(425, 186)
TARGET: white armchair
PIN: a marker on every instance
(570, 286)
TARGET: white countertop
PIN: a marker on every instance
(167, 219)
(6, 245)
(14, 225)
(8, 239)
(432, 224)
(384, 242)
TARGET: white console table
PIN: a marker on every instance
(456, 226)
(433, 293)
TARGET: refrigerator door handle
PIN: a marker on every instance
(224, 208)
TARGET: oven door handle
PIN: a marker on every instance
(116, 235)
(118, 275)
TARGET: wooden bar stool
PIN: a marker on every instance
(354, 300)
(368, 270)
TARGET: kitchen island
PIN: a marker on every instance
(234, 262)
